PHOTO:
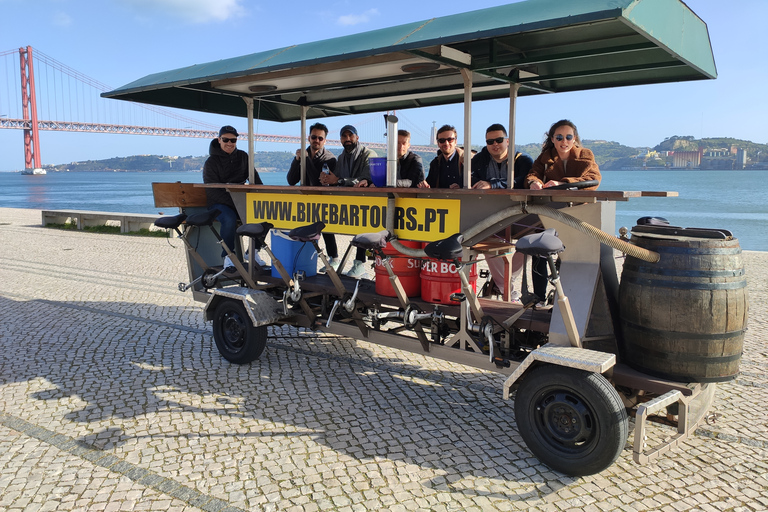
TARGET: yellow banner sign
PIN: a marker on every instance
(415, 219)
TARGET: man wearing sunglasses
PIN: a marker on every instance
(226, 164)
(489, 167)
(446, 170)
(316, 158)
(489, 170)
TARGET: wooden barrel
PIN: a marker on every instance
(684, 317)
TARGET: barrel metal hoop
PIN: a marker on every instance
(683, 285)
(675, 335)
(689, 358)
(688, 250)
(665, 271)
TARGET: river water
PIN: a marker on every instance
(731, 200)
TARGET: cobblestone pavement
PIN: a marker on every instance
(114, 397)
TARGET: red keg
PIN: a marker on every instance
(439, 280)
(408, 270)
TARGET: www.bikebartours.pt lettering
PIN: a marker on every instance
(354, 215)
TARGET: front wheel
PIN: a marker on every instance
(238, 341)
(572, 420)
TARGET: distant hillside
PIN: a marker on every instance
(264, 161)
(609, 156)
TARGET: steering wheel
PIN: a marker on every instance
(577, 185)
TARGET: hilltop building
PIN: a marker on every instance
(687, 159)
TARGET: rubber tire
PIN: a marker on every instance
(576, 397)
(238, 341)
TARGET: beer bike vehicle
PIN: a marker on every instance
(658, 341)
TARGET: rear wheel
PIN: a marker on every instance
(572, 420)
(236, 338)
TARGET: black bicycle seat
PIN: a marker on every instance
(203, 218)
(371, 241)
(307, 233)
(652, 221)
(540, 244)
(259, 230)
(171, 222)
(446, 249)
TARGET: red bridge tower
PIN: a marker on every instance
(29, 105)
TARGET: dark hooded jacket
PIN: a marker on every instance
(482, 160)
(314, 168)
(410, 170)
(221, 167)
(354, 166)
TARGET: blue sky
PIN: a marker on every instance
(118, 41)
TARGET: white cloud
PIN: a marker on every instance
(356, 19)
(62, 19)
(192, 11)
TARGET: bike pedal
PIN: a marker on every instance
(501, 362)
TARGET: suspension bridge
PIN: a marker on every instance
(38, 92)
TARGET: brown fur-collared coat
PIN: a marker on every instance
(548, 166)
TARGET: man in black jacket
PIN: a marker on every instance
(410, 169)
(489, 170)
(226, 164)
(447, 168)
(318, 158)
(489, 167)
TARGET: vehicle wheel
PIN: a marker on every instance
(236, 338)
(572, 420)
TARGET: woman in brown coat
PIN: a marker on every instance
(562, 160)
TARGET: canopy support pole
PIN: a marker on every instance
(466, 74)
(251, 177)
(391, 150)
(302, 159)
(514, 87)
(251, 138)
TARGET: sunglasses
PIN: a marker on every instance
(447, 139)
(225, 139)
(497, 140)
(317, 137)
(559, 138)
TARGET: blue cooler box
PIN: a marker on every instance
(293, 255)
(378, 166)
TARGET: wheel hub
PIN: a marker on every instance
(233, 329)
(566, 418)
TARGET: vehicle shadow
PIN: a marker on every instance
(117, 375)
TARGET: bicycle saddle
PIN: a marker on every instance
(371, 240)
(307, 233)
(540, 244)
(203, 218)
(446, 249)
(171, 222)
(259, 230)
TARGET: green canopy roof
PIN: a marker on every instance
(547, 46)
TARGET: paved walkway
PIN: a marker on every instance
(113, 397)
